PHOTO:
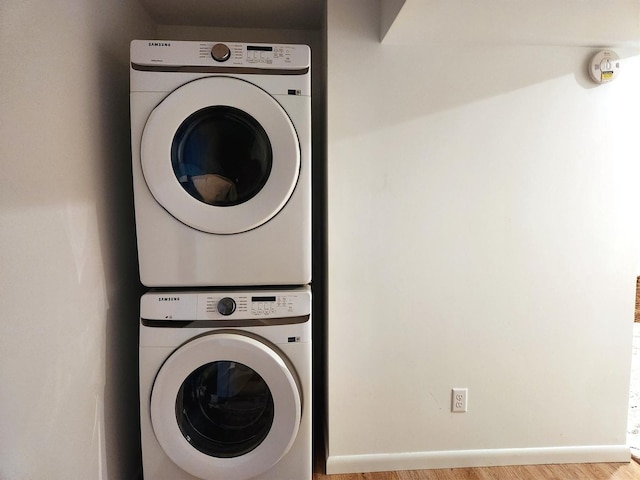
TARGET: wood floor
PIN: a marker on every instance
(588, 471)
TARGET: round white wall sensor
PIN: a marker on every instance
(604, 66)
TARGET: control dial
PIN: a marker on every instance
(226, 306)
(220, 52)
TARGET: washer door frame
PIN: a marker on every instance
(156, 147)
(265, 361)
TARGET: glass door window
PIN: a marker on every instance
(221, 156)
(224, 409)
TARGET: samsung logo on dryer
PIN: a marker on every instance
(168, 299)
(159, 44)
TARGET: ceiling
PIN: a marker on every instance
(279, 14)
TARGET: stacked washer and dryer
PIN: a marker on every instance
(221, 149)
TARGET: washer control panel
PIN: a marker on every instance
(225, 305)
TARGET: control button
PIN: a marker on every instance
(226, 306)
(220, 52)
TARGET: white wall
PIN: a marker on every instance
(482, 222)
(68, 281)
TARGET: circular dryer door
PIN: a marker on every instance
(220, 155)
(225, 405)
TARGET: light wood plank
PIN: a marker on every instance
(588, 471)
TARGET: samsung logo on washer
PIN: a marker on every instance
(159, 44)
(168, 299)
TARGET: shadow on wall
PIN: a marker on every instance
(526, 22)
(116, 219)
(418, 79)
(456, 77)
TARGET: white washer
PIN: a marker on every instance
(225, 384)
(221, 151)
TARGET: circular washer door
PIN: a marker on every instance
(220, 155)
(225, 405)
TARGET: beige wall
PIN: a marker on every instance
(68, 281)
(482, 218)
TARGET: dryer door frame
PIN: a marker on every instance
(227, 346)
(164, 123)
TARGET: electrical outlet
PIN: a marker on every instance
(459, 399)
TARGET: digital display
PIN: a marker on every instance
(263, 299)
(259, 49)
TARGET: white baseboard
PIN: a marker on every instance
(476, 458)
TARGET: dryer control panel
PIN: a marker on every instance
(225, 305)
(235, 55)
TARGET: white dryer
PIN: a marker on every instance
(221, 151)
(225, 385)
